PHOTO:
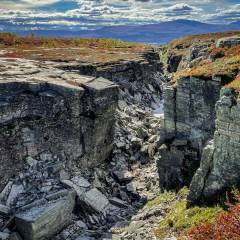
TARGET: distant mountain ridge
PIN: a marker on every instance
(159, 33)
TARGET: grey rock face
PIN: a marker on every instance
(189, 108)
(189, 121)
(173, 62)
(220, 163)
(176, 165)
(64, 114)
(228, 41)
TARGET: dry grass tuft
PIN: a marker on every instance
(235, 84)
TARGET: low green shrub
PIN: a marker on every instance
(180, 219)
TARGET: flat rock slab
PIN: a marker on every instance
(81, 182)
(42, 222)
(118, 202)
(123, 176)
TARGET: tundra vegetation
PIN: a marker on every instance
(219, 222)
(222, 61)
(13, 40)
(70, 49)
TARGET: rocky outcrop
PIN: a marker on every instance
(194, 116)
(63, 128)
(220, 164)
(179, 57)
(140, 81)
(228, 41)
(189, 121)
(58, 113)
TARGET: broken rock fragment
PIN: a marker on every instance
(4, 210)
(5, 192)
(95, 201)
(123, 176)
(118, 202)
(14, 193)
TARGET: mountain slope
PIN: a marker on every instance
(159, 33)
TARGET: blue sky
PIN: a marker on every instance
(90, 14)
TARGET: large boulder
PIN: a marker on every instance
(43, 221)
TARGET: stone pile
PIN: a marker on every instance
(135, 145)
(41, 199)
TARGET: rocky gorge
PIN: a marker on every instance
(83, 152)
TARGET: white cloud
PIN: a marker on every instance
(25, 4)
(114, 12)
(232, 13)
(182, 7)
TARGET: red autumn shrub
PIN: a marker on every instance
(226, 227)
(217, 52)
(204, 231)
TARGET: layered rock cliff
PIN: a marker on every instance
(140, 80)
(189, 121)
(196, 113)
(220, 166)
(69, 116)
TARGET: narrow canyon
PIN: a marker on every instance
(89, 137)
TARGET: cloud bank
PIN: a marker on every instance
(93, 14)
